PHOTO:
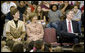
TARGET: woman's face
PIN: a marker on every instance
(39, 9)
(54, 8)
(34, 18)
(16, 14)
(28, 10)
(21, 3)
(75, 9)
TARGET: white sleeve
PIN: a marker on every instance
(13, 4)
(4, 8)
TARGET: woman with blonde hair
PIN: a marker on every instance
(34, 29)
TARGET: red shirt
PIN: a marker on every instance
(32, 8)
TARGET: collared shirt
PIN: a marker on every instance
(77, 15)
(67, 22)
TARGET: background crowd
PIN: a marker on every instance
(24, 24)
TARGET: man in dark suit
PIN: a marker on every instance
(69, 28)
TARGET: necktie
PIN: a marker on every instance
(69, 27)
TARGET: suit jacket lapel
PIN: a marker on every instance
(73, 24)
(65, 26)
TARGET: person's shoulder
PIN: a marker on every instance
(29, 24)
(63, 21)
(58, 10)
(21, 21)
(50, 11)
(39, 24)
(10, 21)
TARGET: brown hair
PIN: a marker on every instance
(41, 13)
(32, 15)
(10, 43)
(12, 7)
(14, 12)
(18, 48)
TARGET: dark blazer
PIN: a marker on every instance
(63, 28)
(74, 24)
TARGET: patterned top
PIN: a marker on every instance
(34, 31)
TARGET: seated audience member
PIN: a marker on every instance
(55, 15)
(9, 15)
(69, 28)
(39, 12)
(18, 48)
(78, 48)
(5, 7)
(26, 15)
(21, 7)
(15, 29)
(77, 16)
(45, 8)
(34, 29)
(40, 15)
(77, 3)
(34, 7)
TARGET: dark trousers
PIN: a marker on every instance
(69, 37)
